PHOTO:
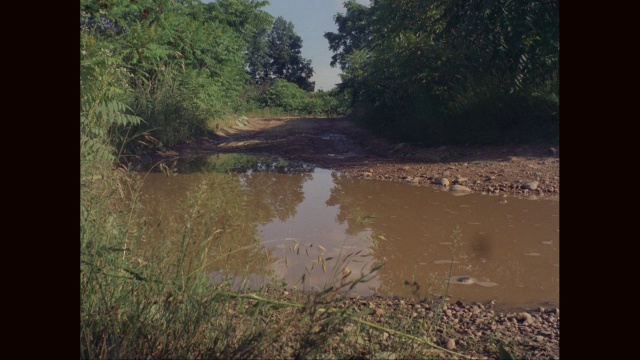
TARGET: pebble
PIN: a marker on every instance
(531, 185)
(451, 344)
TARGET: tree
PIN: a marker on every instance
(275, 54)
(354, 32)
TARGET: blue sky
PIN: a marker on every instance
(311, 19)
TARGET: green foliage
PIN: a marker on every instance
(501, 38)
(286, 98)
(181, 64)
(354, 32)
(463, 72)
(103, 90)
(276, 54)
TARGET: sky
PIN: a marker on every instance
(311, 19)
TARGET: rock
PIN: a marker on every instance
(523, 316)
(530, 185)
(443, 181)
(460, 180)
(460, 188)
(379, 312)
(451, 344)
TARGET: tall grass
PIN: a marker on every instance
(139, 302)
(163, 306)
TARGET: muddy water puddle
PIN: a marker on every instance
(310, 228)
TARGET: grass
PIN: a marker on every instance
(145, 299)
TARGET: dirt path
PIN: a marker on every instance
(340, 145)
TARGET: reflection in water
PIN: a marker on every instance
(310, 227)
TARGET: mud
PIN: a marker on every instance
(338, 144)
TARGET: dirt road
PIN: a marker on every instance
(532, 170)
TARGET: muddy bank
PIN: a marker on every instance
(338, 144)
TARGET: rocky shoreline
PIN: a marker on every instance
(469, 330)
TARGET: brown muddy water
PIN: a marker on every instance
(310, 228)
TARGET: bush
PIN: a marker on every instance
(286, 98)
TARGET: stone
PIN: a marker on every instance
(460, 188)
(443, 181)
(531, 185)
(451, 344)
(524, 317)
